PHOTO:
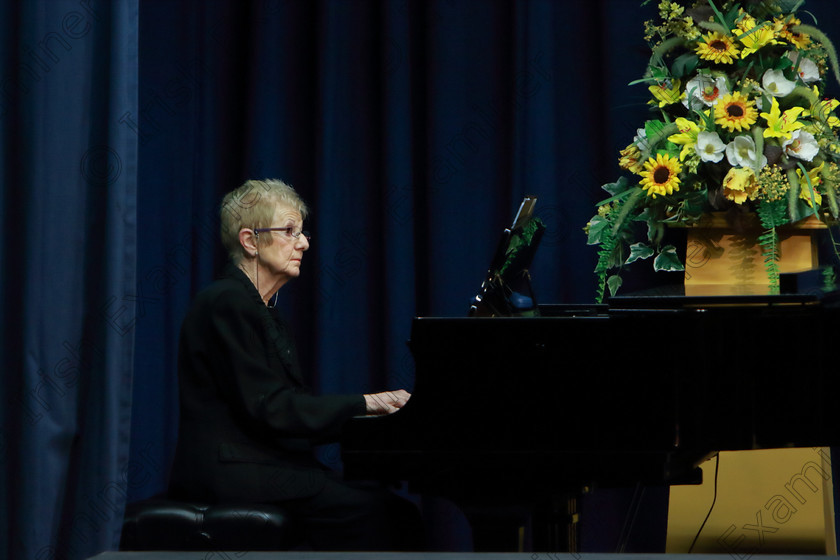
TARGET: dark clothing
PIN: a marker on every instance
(247, 422)
(371, 518)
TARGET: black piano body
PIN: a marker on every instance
(516, 411)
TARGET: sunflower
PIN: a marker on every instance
(718, 48)
(786, 32)
(735, 112)
(661, 175)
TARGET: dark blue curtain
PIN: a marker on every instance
(412, 128)
(69, 199)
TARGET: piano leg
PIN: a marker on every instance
(555, 524)
(497, 529)
(550, 526)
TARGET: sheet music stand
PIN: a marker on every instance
(506, 290)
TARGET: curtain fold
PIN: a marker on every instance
(69, 193)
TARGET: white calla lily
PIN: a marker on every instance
(775, 83)
(710, 147)
(741, 153)
(807, 69)
(802, 145)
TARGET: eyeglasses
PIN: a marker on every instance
(289, 231)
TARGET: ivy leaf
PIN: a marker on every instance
(638, 251)
(667, 260)
(597, 226)
(618, 187)
(614, 283)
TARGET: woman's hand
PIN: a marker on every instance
(387, 402)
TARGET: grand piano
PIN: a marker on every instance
(512, 417)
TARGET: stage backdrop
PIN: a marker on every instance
(412, 128)
(69, 205)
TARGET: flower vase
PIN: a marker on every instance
(727, 259)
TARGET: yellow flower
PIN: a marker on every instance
(670, 10)
(753, 36)
(781, 125)
(631, 159)
(804, 192)
(718, 48)
(773, 183)
(687, 136)
(784, 31)
(686, 29)
(823, 111)
(827, 106)
(739, 184)
(735, 112)
(661, 175)
(666, 94)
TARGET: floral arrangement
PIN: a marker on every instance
(739, 125)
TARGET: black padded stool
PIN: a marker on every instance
(165, 524)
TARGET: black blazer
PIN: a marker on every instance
(247, 422)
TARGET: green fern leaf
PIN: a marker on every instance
(772, 215)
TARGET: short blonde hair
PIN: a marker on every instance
(252, 205)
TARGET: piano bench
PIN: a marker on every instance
(165, 524)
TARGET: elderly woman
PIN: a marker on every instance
(247, 421)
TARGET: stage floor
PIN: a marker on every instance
(222, 555)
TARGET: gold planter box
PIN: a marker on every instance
(722, 259)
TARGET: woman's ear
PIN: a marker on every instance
(248, 240)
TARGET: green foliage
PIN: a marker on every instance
(520, 244)
(793, 195)
(614, 283)
(608, 231)
(831, 197)
(608, 245)
(829, 277)
(772, 215)
(667, 260)
(638, 251)
(726, 22)
(657, 63)
(684, 65)
(660, 131)
(835, 244)
(810, 187)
